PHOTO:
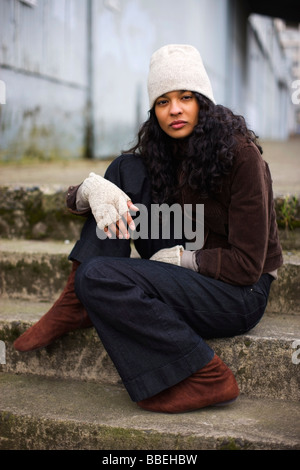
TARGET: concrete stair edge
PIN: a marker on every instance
(39, 270)
(265, 361)
(45, 413)
(40, 212)
(266, 416)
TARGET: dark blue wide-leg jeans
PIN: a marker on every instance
(153, 317)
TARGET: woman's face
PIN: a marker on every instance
(177, 113)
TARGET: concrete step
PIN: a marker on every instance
(39, 413)
(36, 213)
(34, 270)
(37, 270)
(265, 361)
(39, 212)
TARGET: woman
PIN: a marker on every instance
(153, 314)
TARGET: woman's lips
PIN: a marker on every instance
(178, 124)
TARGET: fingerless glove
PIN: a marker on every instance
(108, 203)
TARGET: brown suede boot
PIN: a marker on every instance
(214, 384)
(65, 315)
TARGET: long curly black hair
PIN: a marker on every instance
(198, 161)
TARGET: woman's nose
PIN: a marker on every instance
(175, 108)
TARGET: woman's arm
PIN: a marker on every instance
(72, 202)
(248, 224)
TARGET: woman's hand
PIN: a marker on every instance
(109, 204)
(119, 229)
(169, 255)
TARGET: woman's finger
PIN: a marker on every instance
(132, 207)
(122, 229)
(119, 229)
(128, 217)
(112, 231)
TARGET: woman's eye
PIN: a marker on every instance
(161, 102)
(187, 97)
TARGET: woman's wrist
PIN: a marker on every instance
(188, 260)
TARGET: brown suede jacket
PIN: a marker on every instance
(240, 234)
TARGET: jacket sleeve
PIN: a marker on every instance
(243, 261)
(71, 202)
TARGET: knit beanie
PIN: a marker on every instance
(177, 67)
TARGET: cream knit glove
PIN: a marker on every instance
(108, 203)
(169, 255)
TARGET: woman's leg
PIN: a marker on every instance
(68, 313)
(152, 318)
(65, 315)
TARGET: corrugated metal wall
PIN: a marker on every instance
(125, 35)
(269, 83)
(43, 53)
(77, 69)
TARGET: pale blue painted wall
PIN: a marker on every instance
(44, 62)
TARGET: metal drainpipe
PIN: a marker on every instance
(89, 151)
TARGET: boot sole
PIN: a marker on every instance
(225, 403)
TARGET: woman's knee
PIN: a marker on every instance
(82, 279)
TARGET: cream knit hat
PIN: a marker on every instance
(177, 67)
